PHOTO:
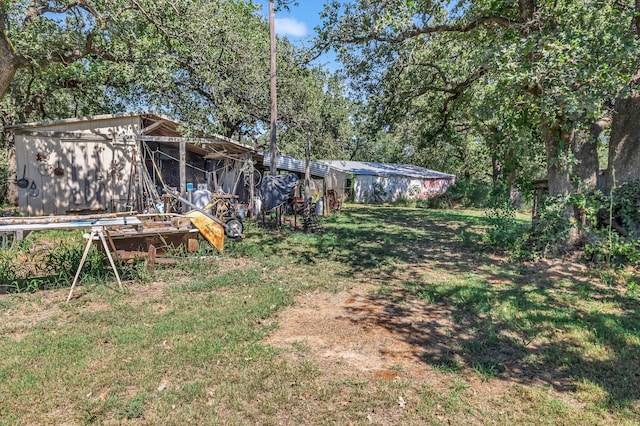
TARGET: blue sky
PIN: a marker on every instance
(298, 25)
(299, 21)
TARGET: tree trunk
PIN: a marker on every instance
(557, 143)
(515, 196)
(585, 150)
(10, 195)
(496, 169)
(624, 143)
(9, 63)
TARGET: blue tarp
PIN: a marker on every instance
(276, 190)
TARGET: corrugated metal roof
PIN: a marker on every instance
(385, 169)
(291, 164)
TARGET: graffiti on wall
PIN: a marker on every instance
(378, 189)
(433, 187)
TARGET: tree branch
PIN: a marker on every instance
(38, 8)
(416, 30)
(451, 87)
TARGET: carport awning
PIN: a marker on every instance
(213, 148)
(291, 164)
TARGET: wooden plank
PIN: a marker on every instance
(161, 240)
(127, 221)
(152, 127)
(181, 222)
(152, 231)
(59, 219)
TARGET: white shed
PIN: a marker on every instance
(375, 182)
(120, 162)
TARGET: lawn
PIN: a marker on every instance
(390, 316)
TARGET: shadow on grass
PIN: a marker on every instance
(554, 327)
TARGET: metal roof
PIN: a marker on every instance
(158, 128)
(385, 169)
(88, 118)
(291, 164)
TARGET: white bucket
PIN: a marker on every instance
(320, 206)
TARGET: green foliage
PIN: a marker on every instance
(505, 231)
(474, 192)
(4, 169)
(614, 226)
(615, 251)
(608, 225)
(8, 270)
(204, 63)
(133, 409)
(487, 369)
(552, 227)
(63, 261)
(50, 260)
(487, 96)
(626, 208)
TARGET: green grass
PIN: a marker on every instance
(195, 352)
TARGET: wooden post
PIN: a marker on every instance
(183, 168)
(139, 189)
(251, 185)
(215, 177)
(324, 201)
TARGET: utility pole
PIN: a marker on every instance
(274, 101)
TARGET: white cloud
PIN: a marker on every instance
(288, 26)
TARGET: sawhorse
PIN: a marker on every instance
(97, 233)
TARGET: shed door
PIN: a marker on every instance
(87, 176)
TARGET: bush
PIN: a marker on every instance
(626, 209)
(615, 251)
(505, 232)
(608, 225)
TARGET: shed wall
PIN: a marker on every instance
(96, 171)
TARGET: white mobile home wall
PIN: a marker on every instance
(361, 188)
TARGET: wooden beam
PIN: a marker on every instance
(224, 156)
(152, 127)
(251, 186)
(201, 141)
(183, 167)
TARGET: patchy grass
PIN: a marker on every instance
(491, 342)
